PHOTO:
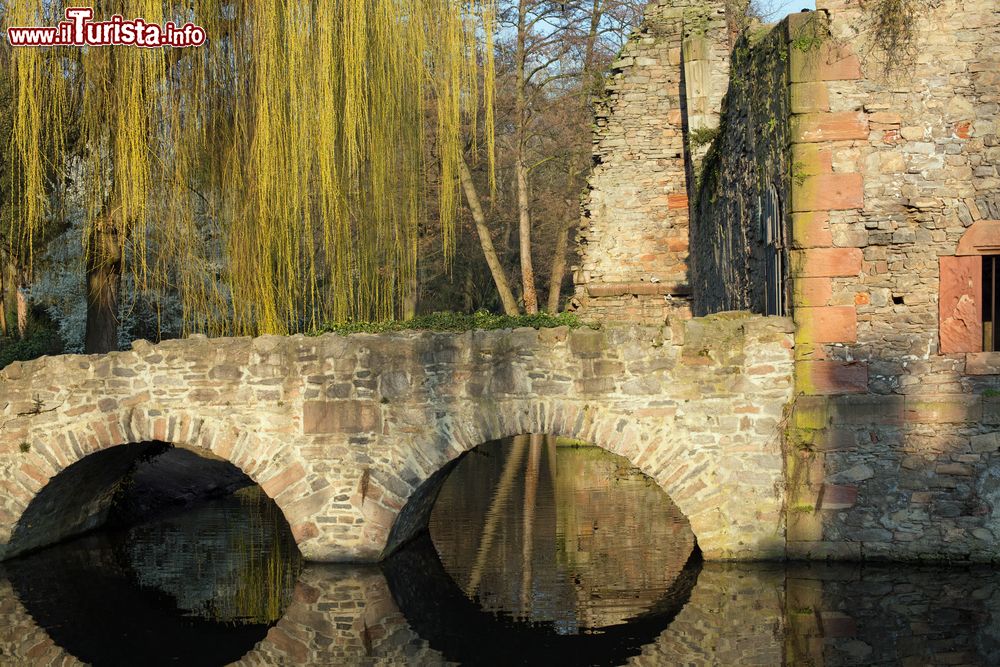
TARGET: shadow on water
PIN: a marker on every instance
(439, 611)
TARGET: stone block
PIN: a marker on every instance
(811, 412)
(867, 410)
(827, 192)
(991, 410)
(823, 127)
(811, 230)
(960, 319)
(677, 201)
(943, 409)
(837, 497)
(811, 159)
(586, 343)
(805, 525)
(834, 440)
(340, 416)
(809, 97)
(811, 292)
(826, 262)
(831, 377)
(982, 363)
(825, 61)
(982, 238)
(826, 324)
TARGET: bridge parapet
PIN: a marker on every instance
(342, 430)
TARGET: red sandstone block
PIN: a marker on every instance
(837, 624)
(827, 324)
(834, 440)
(828, 192)
(867, 410)
(343, 416)
(294, 650)
(982, 363)
(885, 118)
(839, 126)
(960, 321)
(677, 245)
(833, 497)
(831, 377)
(828, 61)
(812, 159)
(809, 97)
(677, 201)
(826, 262)
(982, 238)
(275, 485)
(304, 531)
(943, 409)
(811, 292)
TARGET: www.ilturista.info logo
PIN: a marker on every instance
(79, 30)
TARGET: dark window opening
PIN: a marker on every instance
(774, 255)
(991, 302)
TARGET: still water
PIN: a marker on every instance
(540, 552)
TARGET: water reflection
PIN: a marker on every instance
(552, 531)
(736, 614)
(198, 588)
(186, 590)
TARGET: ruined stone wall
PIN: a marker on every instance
(748, 161)
(895, 449)
(342, 431)
(633, 237)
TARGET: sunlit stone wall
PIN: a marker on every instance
(341, 431)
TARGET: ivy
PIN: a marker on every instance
(456, 322)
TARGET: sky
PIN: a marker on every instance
(783, 8)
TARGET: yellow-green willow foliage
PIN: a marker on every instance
(273, 176)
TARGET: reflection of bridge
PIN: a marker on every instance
(343, 432)
(736, 614)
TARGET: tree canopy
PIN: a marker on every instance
(274, 176)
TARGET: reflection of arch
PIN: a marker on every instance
(108, 618)
(659, 446)
(44, 517)
(437, 610)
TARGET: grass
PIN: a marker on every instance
(456, 322)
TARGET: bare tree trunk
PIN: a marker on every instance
(520, 166)
(3, 300)
(104, 273)
(467, 296)
(524, 227)
(501, 493)
(21, 298)
(411, 296)
(528, 520)
(558, 268)
(485, 242)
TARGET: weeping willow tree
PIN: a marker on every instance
(278, 170)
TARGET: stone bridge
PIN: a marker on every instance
(352, 435)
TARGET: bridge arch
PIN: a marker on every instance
(687, 472)
(46, 507)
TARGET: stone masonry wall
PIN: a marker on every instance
(895, 445)
(342, 431)
(747, 159)
(633, 236)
